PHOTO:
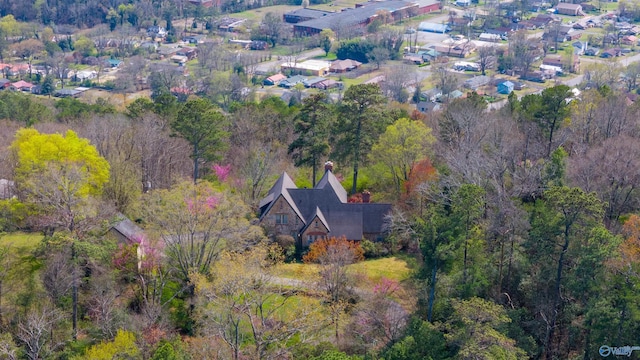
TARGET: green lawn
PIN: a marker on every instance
(258, 14)
(394, 268)
(21, 239)
(397, 268)
(330, 57)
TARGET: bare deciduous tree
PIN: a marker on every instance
(34, 331)
(486, 58)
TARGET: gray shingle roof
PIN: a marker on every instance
(350, 17)
(280, 188)
(127, 228)
(328, 179)
(328, 202)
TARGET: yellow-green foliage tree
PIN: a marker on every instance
(398, 150)
(59, 175)
(123, 346)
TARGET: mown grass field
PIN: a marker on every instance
(21, 240)
(394, 268)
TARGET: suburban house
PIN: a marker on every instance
(258, 45)
(292, 81)
(230, 24)
(156, 32)
(21, 86)
(341, 66)
(327, 84)
(562, 33)
(4, 84)
(505, 87)
(428, 106)
(194, 39)
(274, 79)
(477, 82)
(189, 52)
(489, 37)
(611, 53)
(312, 81)
(569, 9)
(461, 50)
(567, 64)
(308, 215)
(629, 40)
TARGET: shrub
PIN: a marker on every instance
(373, 249)
(324, 250)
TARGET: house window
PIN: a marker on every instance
(282, 219)
(310, 239)
(316, 223)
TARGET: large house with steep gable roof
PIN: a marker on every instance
(311, 214)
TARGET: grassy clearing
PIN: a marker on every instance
(394, 268)
(298, 271)
(330, 57)
(258, 14)
(398, 268)
(21, 240)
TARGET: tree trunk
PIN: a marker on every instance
(557, 295)
(356, 157)
(314, 166)
(74, 292)
(432, 291)
(195, 163)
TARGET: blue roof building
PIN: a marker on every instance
(505, 87)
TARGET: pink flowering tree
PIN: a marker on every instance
(222, 171)
(195, 223)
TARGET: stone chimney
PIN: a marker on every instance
(366, 196)
(328, 166)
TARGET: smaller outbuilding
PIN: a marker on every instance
(505, 87)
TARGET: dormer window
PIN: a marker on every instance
(316, 223)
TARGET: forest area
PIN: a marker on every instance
(520, 227)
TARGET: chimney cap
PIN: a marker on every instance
(328, 166)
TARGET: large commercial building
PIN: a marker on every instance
(358, 17)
